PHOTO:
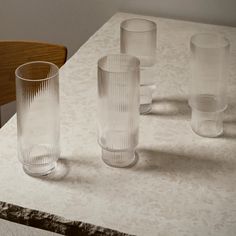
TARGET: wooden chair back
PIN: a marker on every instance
(15, 53)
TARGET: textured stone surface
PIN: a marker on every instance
(183, 184)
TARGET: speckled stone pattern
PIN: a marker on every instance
(182, 184)
(53, 223)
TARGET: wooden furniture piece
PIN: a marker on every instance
(182, 184)
(15, 53)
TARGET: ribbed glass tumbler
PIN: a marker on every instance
(38, 131)
(118, 109)
(138, 38)
(208, 83)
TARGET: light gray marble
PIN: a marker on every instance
(183, 184)
(8, 228)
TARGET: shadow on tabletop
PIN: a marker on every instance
(67, 170)
(170, 107)
(230, 122)
(178, 107)
(159, 161)
(229, 131)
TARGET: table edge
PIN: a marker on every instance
(50, 222)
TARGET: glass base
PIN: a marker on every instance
(208, 129)
(145, 108)
(119, 159)
(207, 124)
(39, 170)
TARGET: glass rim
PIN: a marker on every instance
(225, 43)
(35, 62)
(130, 69)
(152, 23)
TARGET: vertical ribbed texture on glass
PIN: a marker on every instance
(118, 107)
(37, 89)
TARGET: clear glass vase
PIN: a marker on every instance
(138, 38)
(118, 109)
(38, 128)
(208, 83)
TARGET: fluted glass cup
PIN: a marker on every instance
(208, 83)
(138, 38)
(37, 96)
(118, 109)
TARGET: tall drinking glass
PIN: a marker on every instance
(118, 108)
(208, 83)
(37, 95)
(138, 38)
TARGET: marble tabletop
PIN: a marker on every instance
(182, 184)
